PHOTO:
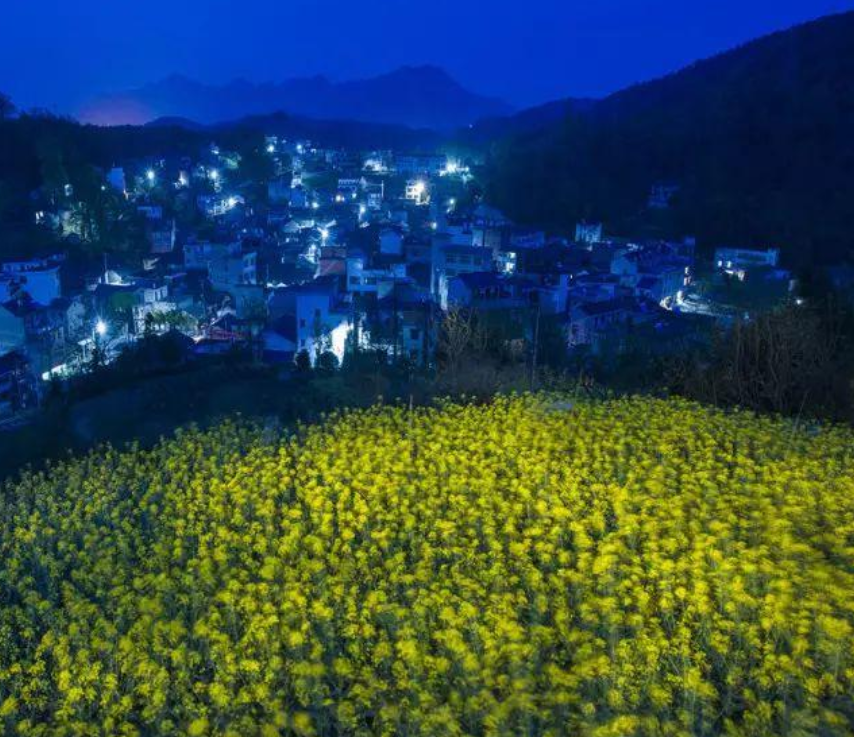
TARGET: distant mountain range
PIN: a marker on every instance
(418, 97)
(759, 140)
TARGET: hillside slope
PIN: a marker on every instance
(324, 132)
(759, 139)
(526, 567)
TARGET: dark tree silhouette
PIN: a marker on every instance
(7, 107)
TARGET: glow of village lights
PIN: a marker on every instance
(101, 328)
(150, 175)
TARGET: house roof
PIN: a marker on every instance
(11, 360)
(321, 285)
(22, 307)
(107, 290)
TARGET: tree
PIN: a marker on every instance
(791, 361)
(327, 363)
(459, 335)
(7, 107)
(303, 363)
(98, 359)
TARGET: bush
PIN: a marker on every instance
(793, 361)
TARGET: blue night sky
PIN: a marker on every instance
(58, 52)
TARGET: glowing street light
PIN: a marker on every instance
(215, 175)
(315, 205)
(271, 149)
(324, 234)
(150, 175)
(100, 328)
(452, 167)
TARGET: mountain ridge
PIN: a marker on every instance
(423, 96)
(758, 139)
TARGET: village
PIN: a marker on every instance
(331, 251)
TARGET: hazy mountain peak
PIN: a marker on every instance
(423, 96)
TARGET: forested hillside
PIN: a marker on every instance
(44, 153)
(759, 140)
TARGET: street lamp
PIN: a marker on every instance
(100, 328)
(150, 175)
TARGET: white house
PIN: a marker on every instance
(421, 164)
(40, 278)
(418, 191)
(738, 261)
(233, 269)
(197, 256)
(162, 238)
(379, 281)
(310, 316)
(588, 233)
